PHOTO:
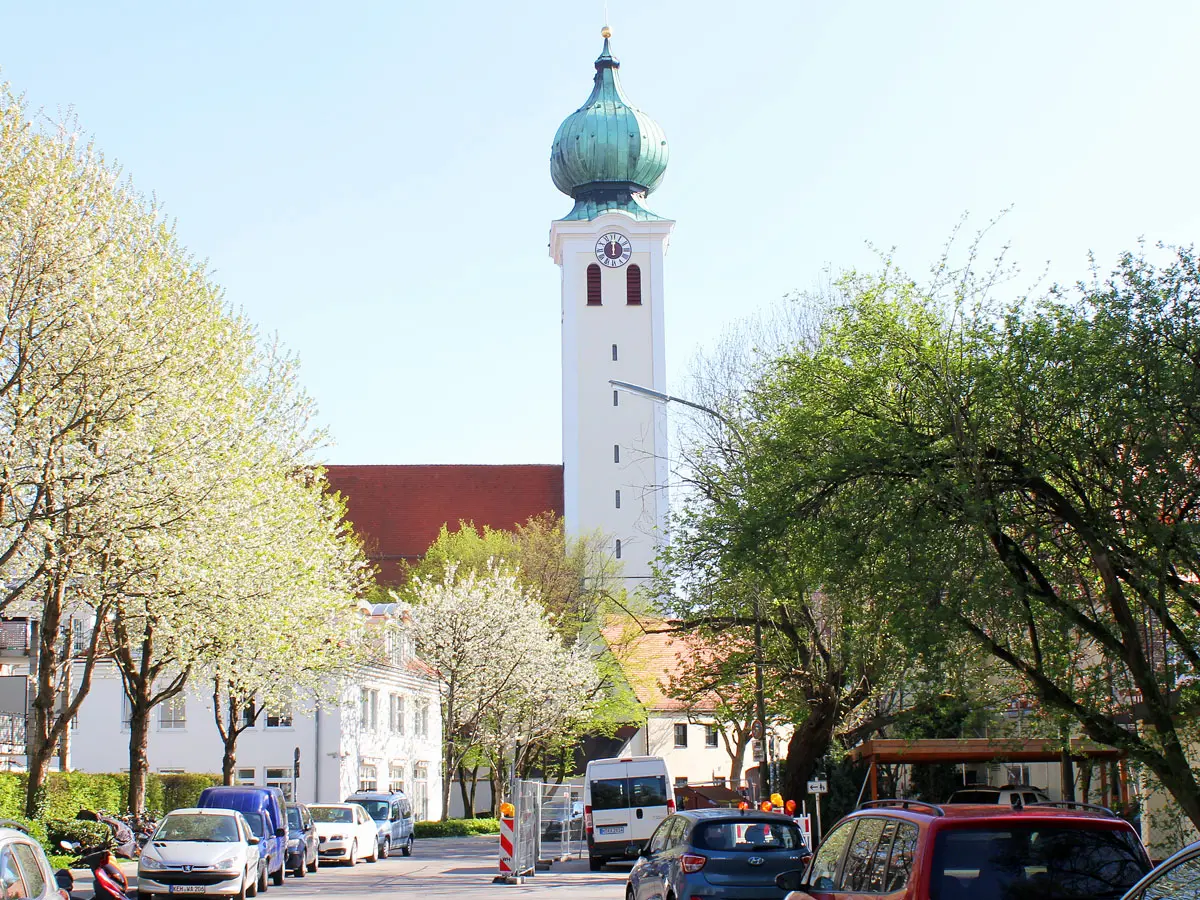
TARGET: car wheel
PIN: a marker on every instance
(262, 880)
(316, 863)
(277, 875)
(596, 863)
(252, 890)
(352, 859)
(408, 846)
(629, 893)
(242, 894)
(374, 857)
(300, 869)
(385, 848)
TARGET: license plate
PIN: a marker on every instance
(186, 888)
(611, 829)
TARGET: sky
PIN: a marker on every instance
(370, 181)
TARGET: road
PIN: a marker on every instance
(445, 867)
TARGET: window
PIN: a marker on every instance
(858, 859)
(681, 730)
(421, 790)
(718, 781)
(658, 841)
(396, 777)
(170, 771)
(421, 719)
(279, 718)
(1175, 882)
(710, 736)
(368, 777)
(648, 790)
(11, 882)
(746, 837)
(616, 400)
(614, 352)
(681, 782)
(126, 712)
(610, 793)
(249, 714)
(877, 875)
(618, 499)
(244, 776)
(593, 285)
(633, 286)
(616, 453)
(27, 859)
(618, 548)
(902, 857)
(396, 714)
(280, 777)
(369, 708)
(825, 865)
(173, 713)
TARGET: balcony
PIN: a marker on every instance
(14, 637)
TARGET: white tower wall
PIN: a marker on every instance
(592, 425)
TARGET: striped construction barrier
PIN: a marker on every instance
(506, 846)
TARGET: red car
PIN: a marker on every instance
(909, 850)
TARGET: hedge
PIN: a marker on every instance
(456, 828)
(69, 792)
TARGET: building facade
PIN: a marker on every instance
(607, 156)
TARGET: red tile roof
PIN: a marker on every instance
(399, 510)
(650, 661)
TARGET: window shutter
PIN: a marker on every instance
(633, 286)
(593, 285)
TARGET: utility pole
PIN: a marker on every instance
(760, 703)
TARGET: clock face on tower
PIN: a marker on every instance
(613, 249)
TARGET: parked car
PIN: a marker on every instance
(909, 849)
(24, 869)
(624, 800)
(345, 833)
(200, 851)
(260, 827)
(717, 853)
(1175, 878)
(302, 855)
(1006, 794)
(393, 815)
(572, 825)
(265, 800)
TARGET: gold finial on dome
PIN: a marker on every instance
(605, 32)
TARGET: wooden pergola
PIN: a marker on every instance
(983, 750)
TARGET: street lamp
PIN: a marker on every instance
(759, 699)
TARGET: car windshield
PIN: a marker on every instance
(1035, 861)
(376, 809)
(257, 823)
(331, 814)
(748, 835)
(194, 827)
(293, 818)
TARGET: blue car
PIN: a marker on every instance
(714, 853)
(266, 804)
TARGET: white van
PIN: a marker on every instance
(623, 802)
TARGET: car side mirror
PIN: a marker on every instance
(792, 880)
(251, 841)
(644, 852)
(280, 832)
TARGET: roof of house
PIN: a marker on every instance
(648, 660)
(399, 510)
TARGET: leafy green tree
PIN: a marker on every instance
(1025, 476)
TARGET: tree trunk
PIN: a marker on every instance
(228, 758)
(474, 786)
(809, 744)
(738, 758)
(462, 792)
(139, 735)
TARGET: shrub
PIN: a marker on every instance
(181, 790)
(89, 835)
(455, 828)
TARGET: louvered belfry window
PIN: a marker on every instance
(633, 286)
(593, 286)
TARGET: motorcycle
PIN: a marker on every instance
(108, 881)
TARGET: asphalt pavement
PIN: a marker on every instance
(442, 867)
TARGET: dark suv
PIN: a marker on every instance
(908, 850)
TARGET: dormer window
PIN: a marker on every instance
(593, 285)
(633, 286)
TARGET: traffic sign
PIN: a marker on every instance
(818, 787)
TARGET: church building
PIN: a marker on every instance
(607, 156)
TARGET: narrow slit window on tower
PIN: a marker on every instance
(616, 453)
(593, 285)
(614, 398)
(633, 286)
(614, 352)
(618, 499)
(618, 548)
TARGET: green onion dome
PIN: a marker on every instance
(608, 147)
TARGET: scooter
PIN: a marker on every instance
(108, 881)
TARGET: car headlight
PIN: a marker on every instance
(149, 862)
(228, 862)
(337, 837)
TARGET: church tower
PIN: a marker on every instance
(607, 156)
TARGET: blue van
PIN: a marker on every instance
(265, 801)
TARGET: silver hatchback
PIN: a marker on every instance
(717, 853)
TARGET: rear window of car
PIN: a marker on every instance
(747, 836)
(648, 790)
(1047, 862)
(610, 793)
(331, 814)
